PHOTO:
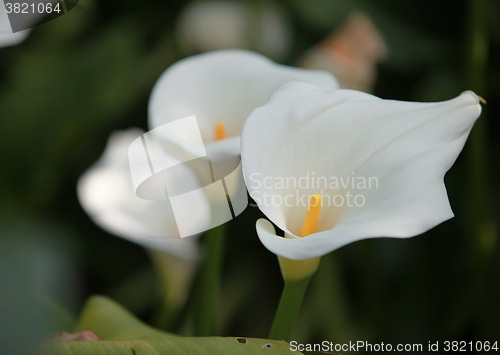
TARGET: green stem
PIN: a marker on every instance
(288, 308)
(208, 295)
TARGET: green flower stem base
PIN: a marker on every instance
(297, 274)
(288, 308)
(208, 292)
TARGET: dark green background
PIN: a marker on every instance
(90, 72)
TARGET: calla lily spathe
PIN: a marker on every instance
(106, 193)
(330, 136)
(221, 87)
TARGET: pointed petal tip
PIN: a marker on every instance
(477, 99)
(470, 98)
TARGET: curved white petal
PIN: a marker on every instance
(11, 39)
(106, 193)
(306, 141)
(221, 86)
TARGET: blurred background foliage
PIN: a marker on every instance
(90, 72)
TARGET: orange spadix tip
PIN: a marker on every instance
(220, 131)
(311, 221)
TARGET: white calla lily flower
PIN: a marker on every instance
(221, 88)
(107, 194)
(377, 165)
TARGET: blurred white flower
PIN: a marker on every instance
(377, 165)
(351, 53)
(106, 193)
(213, 25)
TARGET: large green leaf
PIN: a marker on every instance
(122, 333)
